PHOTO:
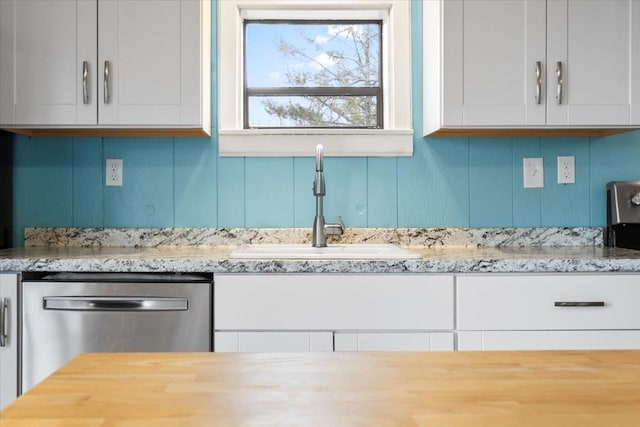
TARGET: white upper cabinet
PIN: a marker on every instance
(594, 43)
(531, 64)
(490, 50)
(105, 64)
(43, 45)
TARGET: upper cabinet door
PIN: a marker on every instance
(592, 50)
(150, 62)
(531, 67)
(45, 49)
(106, 65)
(494, 58)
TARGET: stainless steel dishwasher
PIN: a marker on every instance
(68, 313)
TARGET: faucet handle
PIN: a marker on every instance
(344, 227)
(334, 229)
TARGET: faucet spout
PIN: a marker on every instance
(321, 229)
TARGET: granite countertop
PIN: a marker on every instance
(449, 259)
(207, 250)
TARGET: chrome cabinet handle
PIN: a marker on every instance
(4, 321)
(85, 76)
(579, 304)
(107, 95)
(560, 81)
(96, 303)
(538, 82)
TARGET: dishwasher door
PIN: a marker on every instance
(61, 319)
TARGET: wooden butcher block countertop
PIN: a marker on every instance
(561, 388)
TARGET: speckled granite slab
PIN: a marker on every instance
(442, 259)
(427, 237)
(441, 250)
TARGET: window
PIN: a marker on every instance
(293, 74)
(313, 74)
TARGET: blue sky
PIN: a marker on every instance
(267, 66)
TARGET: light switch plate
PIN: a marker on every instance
(533, 169)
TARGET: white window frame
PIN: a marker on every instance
(396, 139)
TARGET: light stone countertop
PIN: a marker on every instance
(441, 259)
(442, 250)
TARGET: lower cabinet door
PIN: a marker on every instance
(272, 342)
(9, 340)
(394, 341)
(548, 340)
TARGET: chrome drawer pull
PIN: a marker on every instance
(4, 321)
(115, 303)
(579, 304)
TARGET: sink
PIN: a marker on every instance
(348, 251)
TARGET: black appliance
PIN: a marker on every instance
(623, 214)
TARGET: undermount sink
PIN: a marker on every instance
(347, 251)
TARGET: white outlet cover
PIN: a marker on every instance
(533, 171)
(566, 170)
(113, 172)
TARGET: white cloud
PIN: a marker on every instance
(321, 39)
(341, 30)
(275, 75)
(324, 60)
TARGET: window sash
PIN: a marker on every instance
(314, 91)
(344, 91)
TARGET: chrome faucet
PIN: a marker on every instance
(320, 229)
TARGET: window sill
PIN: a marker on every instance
(302, 142)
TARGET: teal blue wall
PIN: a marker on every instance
(181, 182)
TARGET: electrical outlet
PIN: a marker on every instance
(114, 172)
(566, 170)
(533, 171)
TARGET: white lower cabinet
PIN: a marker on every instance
(548, 340)
(415, 312)
(548, 311)
(8, 338)
(304, 342)
(393, 341)
(272, 342)
(333, 312)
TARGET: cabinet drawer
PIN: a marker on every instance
(548, 340)
(333, 302)
(548, 302)
(394, 341)
(272, 342)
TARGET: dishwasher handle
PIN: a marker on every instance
(101, 303)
